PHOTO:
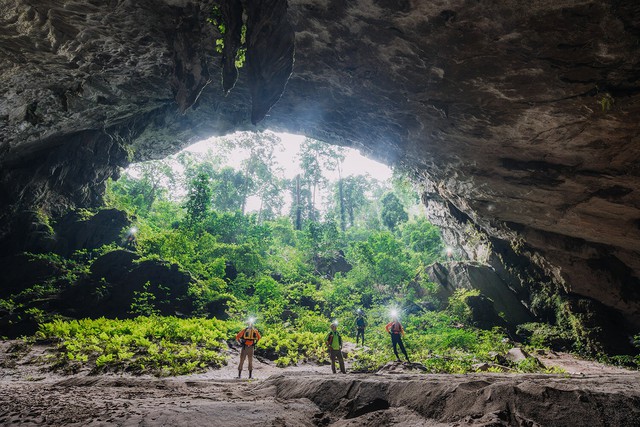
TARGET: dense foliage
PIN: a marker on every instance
(295, 269)
(159, 345)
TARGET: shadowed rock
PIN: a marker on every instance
(519, 120)
(270, 50)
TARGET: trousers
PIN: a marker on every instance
(247, 352)
(337, 354)
(396, 340)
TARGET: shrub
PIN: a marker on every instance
(154, 345)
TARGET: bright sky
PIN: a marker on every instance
(286, 157)
(354, 163)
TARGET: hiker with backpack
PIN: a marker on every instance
(334, 344)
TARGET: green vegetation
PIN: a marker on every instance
(158, 345)
(606, 102)
(294, 269)
(216, 19)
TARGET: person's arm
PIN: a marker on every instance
(258, 336)
(388, 327)
(401, 330)
(239, 335)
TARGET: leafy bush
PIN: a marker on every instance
(435, 339)
(543, 335)
(289, 345)
(155, 345)
(458, 306)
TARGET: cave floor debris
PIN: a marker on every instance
(310, 396)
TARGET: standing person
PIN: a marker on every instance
(395, 329)
(248, 337)
(131, 241)
(334, 344)
(360, 325)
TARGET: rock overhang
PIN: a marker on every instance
(522, 117)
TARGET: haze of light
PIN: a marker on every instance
(287, 158)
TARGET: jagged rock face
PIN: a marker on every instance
(520, 119)
(505, 300)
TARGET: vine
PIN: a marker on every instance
(217, 20)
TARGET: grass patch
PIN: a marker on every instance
(145, 345)
(440, 342)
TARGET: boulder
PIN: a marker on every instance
(467, 275)
(82, 230)
(516, 355)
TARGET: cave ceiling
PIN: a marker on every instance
(520, 119)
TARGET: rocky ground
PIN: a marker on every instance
(588, 394)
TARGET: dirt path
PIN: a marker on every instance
(576, 366)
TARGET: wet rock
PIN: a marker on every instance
(401, 367)
(485, 367)
(22, 271)
(116, 281)
(517, 355)
(478, 399)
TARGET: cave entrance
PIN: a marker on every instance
(272, 175)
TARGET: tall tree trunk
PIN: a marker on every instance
(245, 190)
(312, 212)
(298, 205)
(341, 197)
(260, 211)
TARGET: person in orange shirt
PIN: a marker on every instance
(394, 328)
(248, 337)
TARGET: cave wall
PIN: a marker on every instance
(519, 119)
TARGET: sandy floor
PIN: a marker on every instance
(312, 396)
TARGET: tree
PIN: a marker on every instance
(403, 188)
(393, 213)
(315, 158)
(301, 201)
(199, 199)
(350, 196)
(380, 258)
(227, 190)
(261, 176)
(142, 185)
(424, 239)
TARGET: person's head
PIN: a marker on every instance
(334, 325)
(394, 315)
(251, 321)
(359, 313)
